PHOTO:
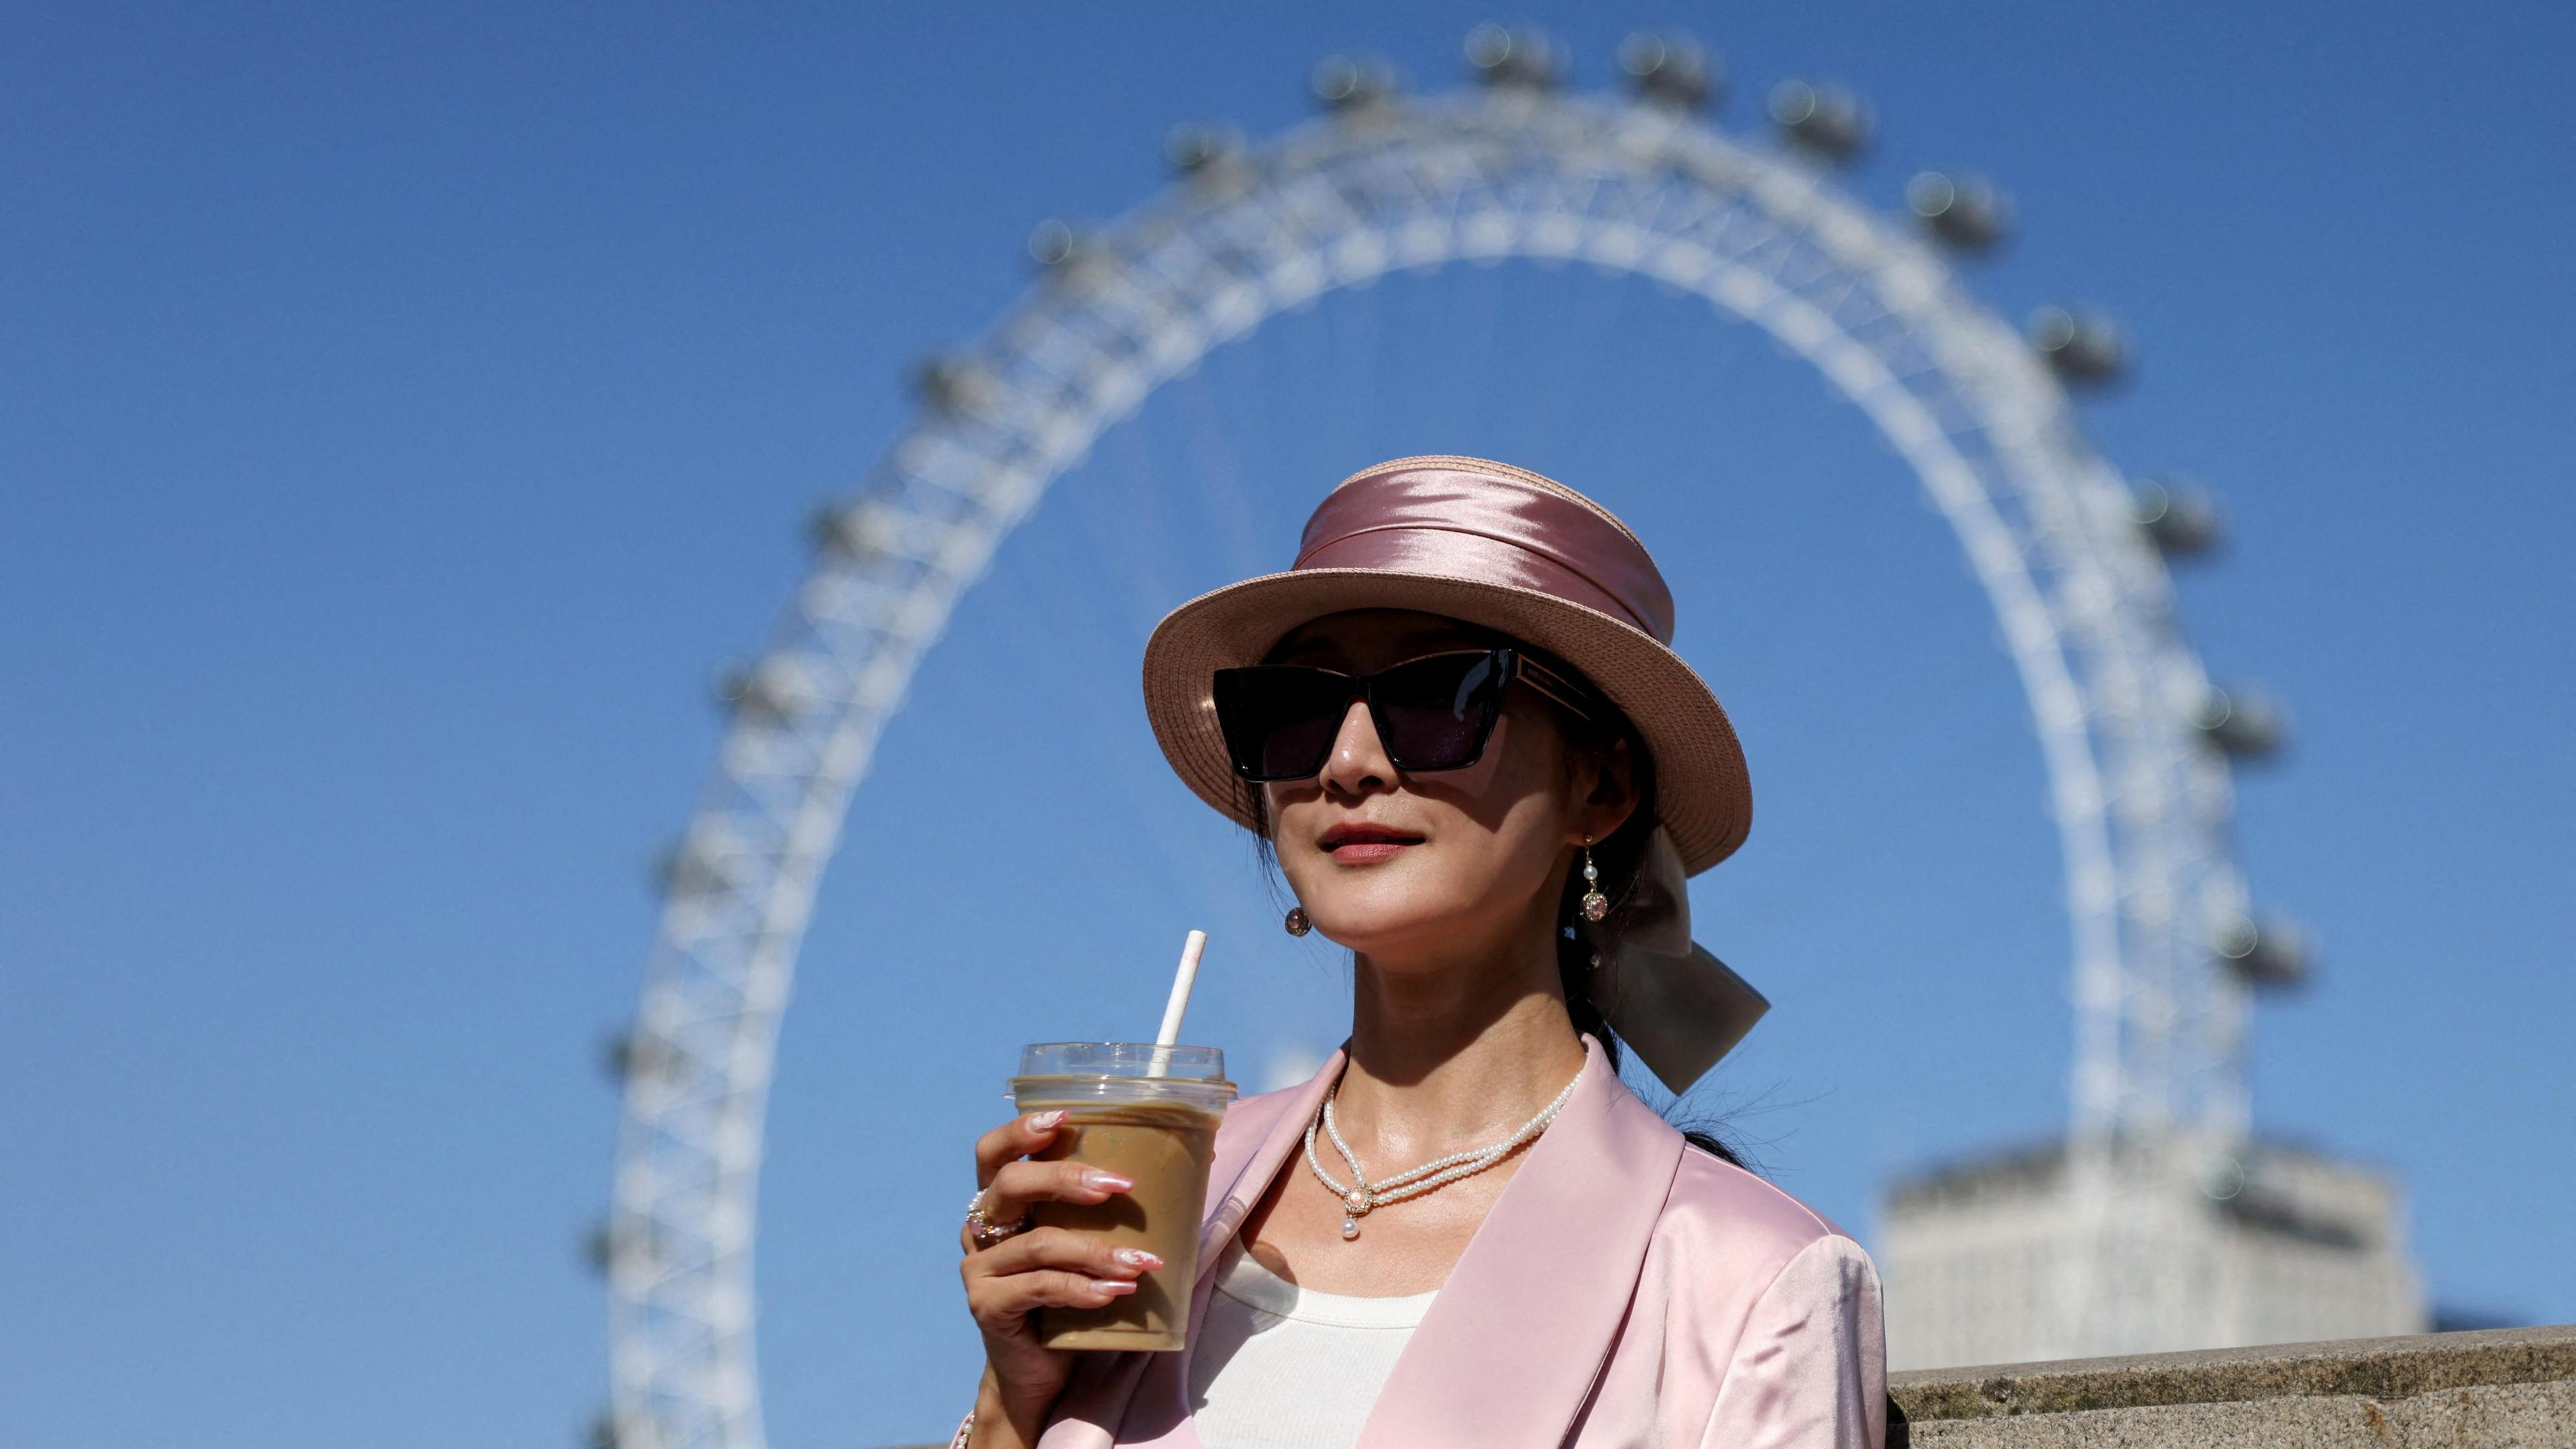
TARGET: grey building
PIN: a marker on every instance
(2015, 1258)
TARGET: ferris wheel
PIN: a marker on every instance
(2136, 741)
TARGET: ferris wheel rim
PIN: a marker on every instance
(680, 1245)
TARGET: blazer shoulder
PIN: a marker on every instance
(1717, 1202)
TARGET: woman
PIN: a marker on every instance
(1459, 724)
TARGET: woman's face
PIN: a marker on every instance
(1421, 866)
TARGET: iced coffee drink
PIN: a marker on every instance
(1149, 1114)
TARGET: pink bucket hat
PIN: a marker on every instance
(1490, 544)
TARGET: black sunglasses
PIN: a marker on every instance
(1431, 713)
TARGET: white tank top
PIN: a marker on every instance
(1277, 1366)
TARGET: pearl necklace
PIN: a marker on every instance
(1439, 1172)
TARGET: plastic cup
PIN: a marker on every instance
(1150, 1114)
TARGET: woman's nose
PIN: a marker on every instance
(1358, 762)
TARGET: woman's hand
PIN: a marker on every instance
(1040, 1268)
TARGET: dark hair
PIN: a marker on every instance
(1619, 858)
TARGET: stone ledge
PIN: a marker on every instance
(2517, 1385)
(2378, 1368)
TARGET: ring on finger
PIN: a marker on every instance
(984, 1233)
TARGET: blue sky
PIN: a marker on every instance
(403, 413)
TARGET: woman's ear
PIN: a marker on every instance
(1611, 796)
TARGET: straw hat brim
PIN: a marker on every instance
(1702, 794)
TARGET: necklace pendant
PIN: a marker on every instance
(1350, 1228)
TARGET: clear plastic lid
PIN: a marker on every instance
(1122, 1059)
(1117, 1071)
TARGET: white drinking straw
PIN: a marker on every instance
(1176, 1008)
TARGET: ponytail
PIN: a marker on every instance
(1580, 944)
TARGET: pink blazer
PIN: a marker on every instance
(1624, 1291)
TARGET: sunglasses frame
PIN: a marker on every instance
(1510, 664)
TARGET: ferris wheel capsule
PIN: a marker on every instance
(1522, 58)
(1351, 83)
(953, 386)
(2081, 345)
(1672, 70)
(2242, 723)
(2269, 953)
(1965, 212)
(1823, 119)
(775, 689)
(2179, 517)
(1205, 152)
(697, 867)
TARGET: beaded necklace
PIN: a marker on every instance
(1364, 1195)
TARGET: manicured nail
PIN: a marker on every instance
(1137, 1258)
(1100, 1179)
(1042, 1121)
(1113, 1287)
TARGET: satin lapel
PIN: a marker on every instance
(1243, 1184)
(1087, 1416)
(1511, 1347)
(1157, 1413)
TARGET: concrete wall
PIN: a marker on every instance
(2506, 1388)
(2509, 1388)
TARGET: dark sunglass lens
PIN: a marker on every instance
(1437, 711)
(1279, 723)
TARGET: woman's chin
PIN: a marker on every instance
(1387, 928)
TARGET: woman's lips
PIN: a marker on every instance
(1364, 845)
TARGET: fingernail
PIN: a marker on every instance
(1041, 1121)
(1137, 1258)
(1103, 1180)
(1113, 1287)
